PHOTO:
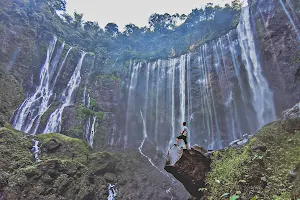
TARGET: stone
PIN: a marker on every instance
(292, 113)
(191, 170)
(260, 148)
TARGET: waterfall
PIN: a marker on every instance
(262, 96)
(92, 134)
(290, 17)
(189, 98)
(219, 89)
(172, 78)
(54, 121)
(131, 99)
(36, 149)
(29, 113)
(182, 89)
(157, 101)
(86, 98)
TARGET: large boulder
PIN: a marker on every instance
(190, 168)
(292, 113)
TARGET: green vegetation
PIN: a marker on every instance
(47, 114)
(69, 169)
(14, 150)
(63, 147)
(83, 112)
(111, 77)
(167, 35)
(255, 174)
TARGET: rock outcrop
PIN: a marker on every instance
(69, 169)
(190, 169)
(292, 113)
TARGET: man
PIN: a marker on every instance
(183, 135)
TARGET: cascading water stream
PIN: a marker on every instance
(290, 17)
(157, 101)
(182, 92)
(172, 78)
(92, 134)
(54, 121)
(262, 96)
(86, 98)
(28, 115)
(131, 98)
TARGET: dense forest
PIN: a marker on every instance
(165, 36)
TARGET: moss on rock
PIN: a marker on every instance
(257, 174)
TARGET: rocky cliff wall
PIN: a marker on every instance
(277, 27)
(219, 98)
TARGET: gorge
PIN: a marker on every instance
(223, 88)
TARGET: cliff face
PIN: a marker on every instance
(227, 87)
(212, 88)
(277, 27)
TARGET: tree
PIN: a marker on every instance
(237, 5)
(68, 18)
(131, 29)
(209, 11)
(112, 29)
(161, 23)
(91, 26)
(59, 5)
(77, 20)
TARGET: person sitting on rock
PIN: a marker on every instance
(183, 135)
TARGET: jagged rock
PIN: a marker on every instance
(292, 113)
(190, 170)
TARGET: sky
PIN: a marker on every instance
(123, 12)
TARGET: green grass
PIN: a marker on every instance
(257, 174)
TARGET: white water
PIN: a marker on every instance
(54, 121)
(262, 96)
(86, 98)
(92, 134)
(190, 98)
(29, 113)
(290, 17)
(182, 87)
(172, 78)
(157, 101)
(131, 98)
(112, 192)
(36, 150)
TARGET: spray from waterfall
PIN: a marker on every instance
(54, 121)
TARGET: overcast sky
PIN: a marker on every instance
(123, 12)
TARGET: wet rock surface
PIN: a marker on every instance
(292, 113)
(70, 170)
(191, 170)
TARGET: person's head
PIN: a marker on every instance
(184, 123)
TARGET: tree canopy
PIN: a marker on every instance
(165, 36)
